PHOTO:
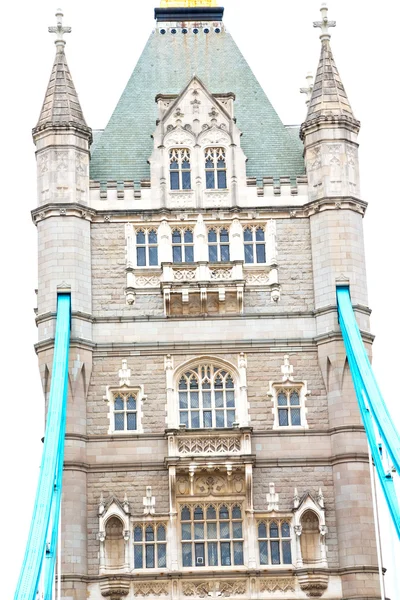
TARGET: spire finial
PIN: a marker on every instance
(59, 30)
(324, 25)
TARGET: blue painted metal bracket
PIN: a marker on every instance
(375, 415)
(40, 550)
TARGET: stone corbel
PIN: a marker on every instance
(114, 588)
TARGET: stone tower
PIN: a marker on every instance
(214, 446)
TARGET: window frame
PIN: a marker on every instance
(219, 244)
(300, 387)
(147, 245)
(210, 408)
(254, 244)
(179, 155)
(214, 153)
(183, 245)
(124, 390)
(268, 540)
(126, 410)
(211, 546)
(144, 544)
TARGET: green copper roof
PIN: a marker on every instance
(166, 65)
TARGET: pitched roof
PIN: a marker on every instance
(61, 104)
(166, 65)
(328, 97)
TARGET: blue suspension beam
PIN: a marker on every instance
(375, 415)
(42, 540)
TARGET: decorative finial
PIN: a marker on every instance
(272, 498)
(287, 369)
(59, 31)
(149, 502)
(124, 374)
(308, 89)
(324, 25)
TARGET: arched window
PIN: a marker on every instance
(212, 535)
(182, 246)
(254, 245)
(150, 546)
(179, 169)
(125, 412)
(215, 165)
(218, 245)
(274, 543)
(146, 248)
(206, 398)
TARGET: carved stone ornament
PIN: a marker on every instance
(214, 589)
(114, 588)
(256, 278)
(151, 588)
(222, 445)
(313, 583)
(286, 584)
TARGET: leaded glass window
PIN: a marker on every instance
(289, 407)
(274, 543)
(215, 167)
(206, 398)
(254, 245)
(180, 169)
(150, 546)
(218, 245)
(125, 411)
(146, 248)
(182, 246)
(212, 535)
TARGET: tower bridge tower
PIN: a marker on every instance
(214, 445)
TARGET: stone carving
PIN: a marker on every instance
(220, 274)
(61, 161)
(181, 200)
(150, 281)
(257, 278)
(114, 588)
(313, 583)
(124, 374)
(213, 485)
(196, 588)
(44, 163)
(216, 199)
(151, 589)
(213, 589)
(221, 445)
(277, 585)
(185, 274)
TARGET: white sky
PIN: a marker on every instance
(281, 46)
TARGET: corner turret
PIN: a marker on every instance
(61, 135)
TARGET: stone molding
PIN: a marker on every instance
(152, 588)
(225, 589)
(270, 584)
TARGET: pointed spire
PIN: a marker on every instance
(328, 97)
(61, 104)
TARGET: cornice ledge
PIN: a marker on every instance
(62, 209)
(48, 344)
(334, 336)
(113, 467)
(329, 308)
(48, 316)
(335, 203)
(324, 121)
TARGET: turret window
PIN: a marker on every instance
(215, 166)
(206, 398)
(182, 246)
(274, 543)
(218, 245)
(125, 412)
(254, 245)
(150, 546)
(180, 169)
(212, 535)
(146, 248)
(289, 407)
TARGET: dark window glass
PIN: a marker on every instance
(187, 555)
(294, 399)
(275, 553)
(224, 235)
(140, 237)
(260, 235)
(236, 512)
(221, 180)
(262, 530)
(150, 563)
(286, 553)
(176, 254)
(223, 513)
(161, 533)
(138, 557)
(263, 552)
(153, 256)
(195, 420)
(282, 399)
(188, 237)
(285, 529)
(273, 530)
(174, 165)
(211, 513)
(210, 185)
(296, 417)
(174, 177)
(119, 403)
(283, 417)
(226, 554)
(149, 534)
(198, 513)
(141, 256)
(119, 422)
(212, 236)
(212, 554)
(199, 555)
(131, 403)
(176, 236)
(131, 421)
(207, 419)
(248, 235)
(189, 254)
(137, 534)
(186, 531)
(162, 555)
(186, 183)
(248, 254)
(260, 250)
(152, 237)
(238, 553)
(212, 253)
(185, 514)
(225, 253)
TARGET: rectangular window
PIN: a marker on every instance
(149, 546)
(215, 533)
(274, 543)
